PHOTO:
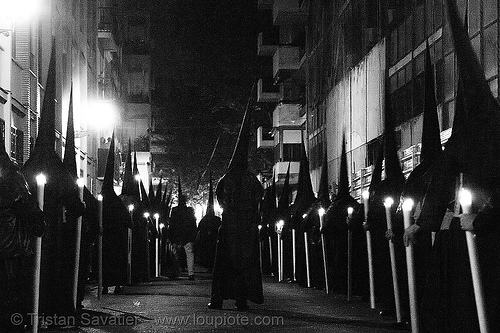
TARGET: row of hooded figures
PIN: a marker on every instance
(436, 265)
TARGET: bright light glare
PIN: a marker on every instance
(198, 212)
(350, 210)
(465, 198)
(304, 216)
(146, 214)
(20, 9)
(80, 182)
(102, 115)
(137, 178)
(41, 179)
(99, 197)
(388, 202)
(366, 194)
(130, 208)
(260, 226)
(321, 211)
(408, 205)
(280, 225)
(156, 216)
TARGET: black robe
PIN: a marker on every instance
(116, 222)
(336, 237)
(61, 207)
(237, 268)
(206, 240)
(20, 221)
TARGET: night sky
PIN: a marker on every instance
(204, 64)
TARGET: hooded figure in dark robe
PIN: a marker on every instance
(448, 303)
(391, 186)
(336, 233)
(21, 220)
(237, 273)
(415, 185)
(62, 206)
(116, 222)
(311, 223)
(268, 230)
(283, 214)
(300, 210)
(206, 240)
(90, 221)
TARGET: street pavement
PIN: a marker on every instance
(181, 305)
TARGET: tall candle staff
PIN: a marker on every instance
(129, 247)
(157, 245)
(306, 247)
(410, 264)
(321, 213)
(279, 230)
(99, 249)
(388, 202)
(81, 183)
(366, 196)
(41, 180)
(466, 203)
(350, 210)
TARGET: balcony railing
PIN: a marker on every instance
(287, 12)
(287, 115)
(267, 91)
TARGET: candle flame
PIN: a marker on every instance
(388, 202)
(408, 204)
(321, 211)
(41, 179)
(80, 182)
(465, 197)
(130, 208)
(350, 210)
(366, 195)
(156, 216)
(99, 197)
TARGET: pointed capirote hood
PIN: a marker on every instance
(343, 189)
(392, 165)
(268, 206)
(240, 154)
(284, 200)
(431, 139)
(304, 189)
(108, 182)
(141, 190)
(46, 129)
(323, 191)
(159, 189)
(179, 187)
(130, 186)
(144, 195)
(69, 159)
(151, 192)
(377, 169)
(475, 147)
(210, 203)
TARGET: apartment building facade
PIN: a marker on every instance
(359, 55)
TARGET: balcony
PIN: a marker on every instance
(105, 29)
(267, 42)
(286, 60)
(288, 12)
(264, 138)
(287, 115)
(265, 4)
(267, 91)
(280, 169)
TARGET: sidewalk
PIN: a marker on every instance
(164, 306)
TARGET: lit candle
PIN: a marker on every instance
(350, 210)
(465, 201)
(321, 213)
(41, 180)
(410, 264)
(407, 208)
(366, 196)
(81, 183)
(99, 247)
(388, 202)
